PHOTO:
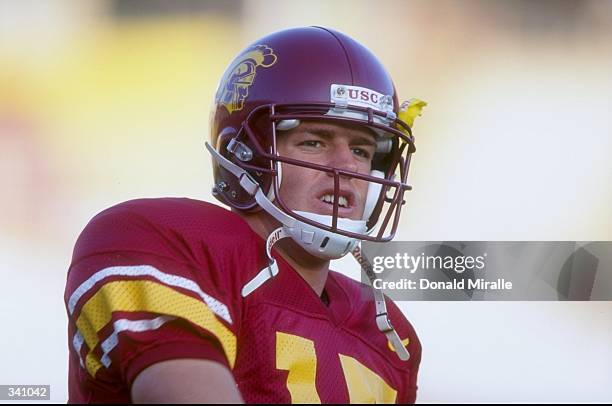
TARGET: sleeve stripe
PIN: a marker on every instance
(77, 343)
(122, 325)
(119, 326)
(217, 307)
(147, 296)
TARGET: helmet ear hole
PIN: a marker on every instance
(227, 188)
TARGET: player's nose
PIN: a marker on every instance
(342, 157)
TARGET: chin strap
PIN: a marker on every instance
(271, 270)
(382, 320)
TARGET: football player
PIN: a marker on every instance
(179, 300)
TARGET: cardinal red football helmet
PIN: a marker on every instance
(309, 73)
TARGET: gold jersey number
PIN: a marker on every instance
(297, 355)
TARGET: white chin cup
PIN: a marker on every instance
(321, 243)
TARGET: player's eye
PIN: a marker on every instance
(311, 144)
(363, 153)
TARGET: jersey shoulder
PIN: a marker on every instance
(165, 227)
(152, 280)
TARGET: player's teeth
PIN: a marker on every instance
(342, 201)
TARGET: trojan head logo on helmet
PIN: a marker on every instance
(234, 86)
(300, 75)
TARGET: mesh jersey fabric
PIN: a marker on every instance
(159, 279)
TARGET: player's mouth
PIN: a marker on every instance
(324, 203)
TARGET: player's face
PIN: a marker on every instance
(346, 147)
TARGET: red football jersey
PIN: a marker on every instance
(159, 279)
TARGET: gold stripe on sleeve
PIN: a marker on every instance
(146, 296)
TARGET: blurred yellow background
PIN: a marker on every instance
(107, 100)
